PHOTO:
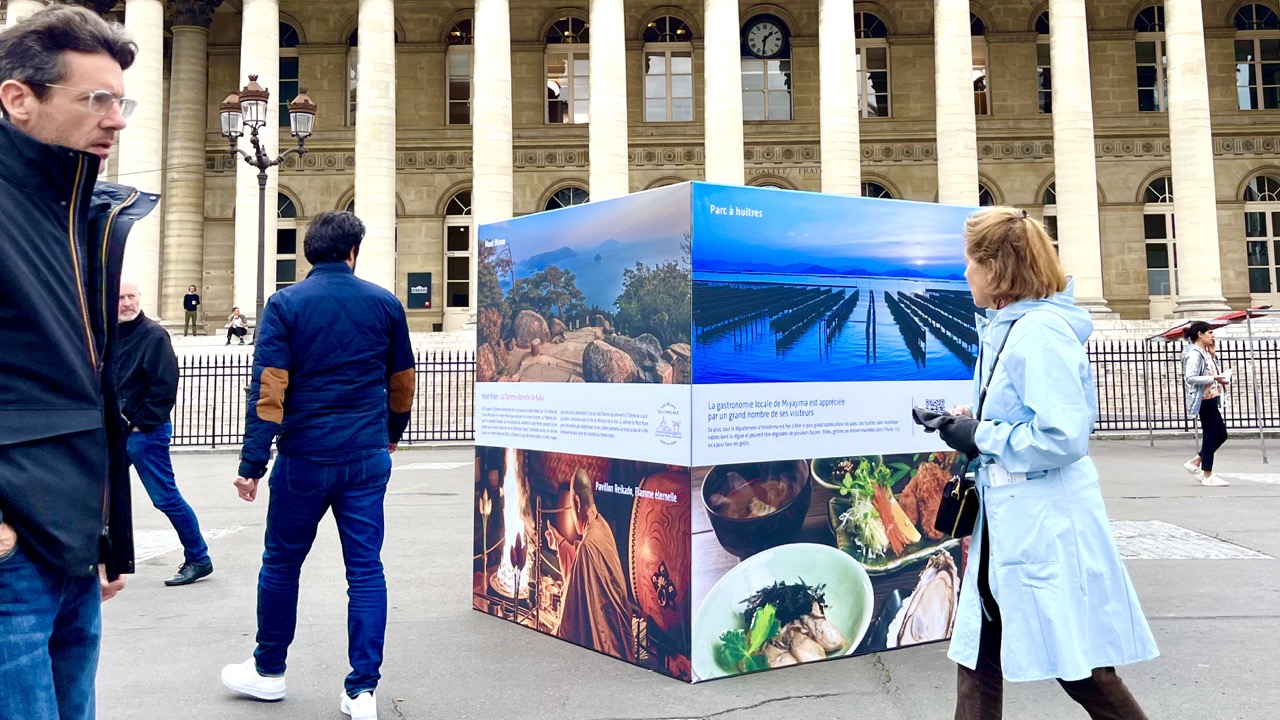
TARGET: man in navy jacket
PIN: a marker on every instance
(333, 379)
(66, 532)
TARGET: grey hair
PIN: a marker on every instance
(31, 52)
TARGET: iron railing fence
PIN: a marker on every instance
(212, 394)
(1140, 384)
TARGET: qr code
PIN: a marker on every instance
(937, 405)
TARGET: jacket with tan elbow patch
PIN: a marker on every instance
(333, 371)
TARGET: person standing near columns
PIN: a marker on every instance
(147, 375)
(191, 307)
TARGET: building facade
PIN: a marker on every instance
(1145, 133)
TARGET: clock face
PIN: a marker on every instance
(764, 39)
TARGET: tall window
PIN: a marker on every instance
(566, 197)
(286, 241)
(1262, 233)
(457, 251)
(1159, 232)
(873, 64)
(981, 84)
(1049, 214)
(288, 89)
(458, 61)
(1258, 58)
(766, 69)
(353, 63)
(1153, 93)
(668, 71)
(568, 84)
(986, 198)
(1044, 79)
(876, 190)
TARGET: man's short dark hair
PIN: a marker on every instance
(31, 51)
(332, 236)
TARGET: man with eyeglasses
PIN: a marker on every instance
(66, 532)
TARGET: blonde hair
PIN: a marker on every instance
(1016, 253)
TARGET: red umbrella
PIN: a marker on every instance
(1230, 318)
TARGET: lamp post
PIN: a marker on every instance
(249, 107)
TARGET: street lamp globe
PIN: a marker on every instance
(253, 103)
(302, 115)
(232, 120)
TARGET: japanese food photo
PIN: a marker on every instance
(883, 510)
(753, 506)
(784, 606)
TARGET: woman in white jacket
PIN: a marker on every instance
(1205, 386)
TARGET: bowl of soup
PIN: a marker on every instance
(756, 506)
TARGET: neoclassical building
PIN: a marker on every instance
(1145, 133)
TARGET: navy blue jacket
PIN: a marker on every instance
(333, 371)
(64, 472)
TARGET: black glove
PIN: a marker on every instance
(956, 431)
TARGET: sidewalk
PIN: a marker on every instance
(1216, 619)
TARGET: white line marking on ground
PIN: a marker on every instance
(1268, 478)
(1156, 540)
(148, 544)
(431, 466)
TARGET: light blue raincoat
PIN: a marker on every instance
(1066, 603)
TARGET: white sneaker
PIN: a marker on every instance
(1213, 481)
(244, 679)
(362, 707)
(1191, 467)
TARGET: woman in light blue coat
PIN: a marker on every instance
(1045, 594)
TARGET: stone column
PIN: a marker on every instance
(376, 142)
(1191, 148)
(142, 145)
(841, 148)
(722, 84)
(608, 101)
(259, 55)
(16, 10)
(492, 190)
(184, 167)
(1074, 168)
(957, 139)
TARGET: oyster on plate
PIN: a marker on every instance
(930, 611)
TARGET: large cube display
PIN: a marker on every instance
(694, 449)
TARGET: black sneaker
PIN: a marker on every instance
(190, 572)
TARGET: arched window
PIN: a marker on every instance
(873, 64)
(668, 71)
(771, 183)
(457, 251)
(568, 67)
(1262, 232)
(286, 241)
(981, 83)
(1049, 212)
(353, 63)
(1044, 79)
(1257, 57)
(1153, 93)
(1158, 230)
(766, 69)
(459, 62)
(288, 90)
(876, 190)
(986, 198)
(566, 197)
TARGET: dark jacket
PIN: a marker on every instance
(333, 371)
(146, 373)
(64, 472)
(190, 302)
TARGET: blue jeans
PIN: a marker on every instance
(301, 492)
(50, 626)
(149, 453)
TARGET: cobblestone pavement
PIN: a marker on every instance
(1202, 561)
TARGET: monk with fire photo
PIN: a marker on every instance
(595, 608)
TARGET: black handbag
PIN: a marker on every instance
(958, 510)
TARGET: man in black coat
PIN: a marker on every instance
(147, 375)
(66, 533)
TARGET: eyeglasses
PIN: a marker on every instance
(99, 102)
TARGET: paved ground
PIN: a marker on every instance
(1217, 620)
